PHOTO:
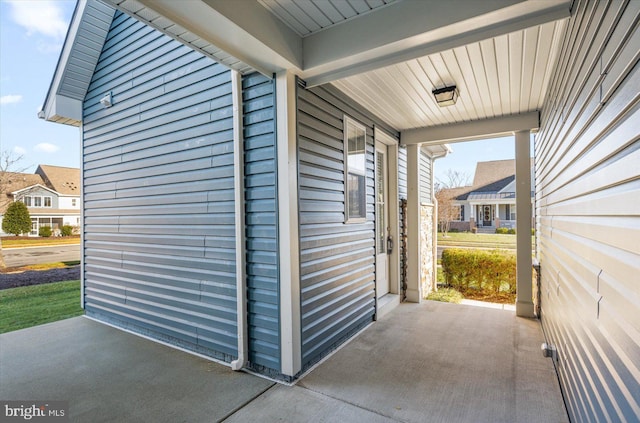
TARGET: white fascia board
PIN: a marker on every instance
(49, 110)
(69, 108)
(415, 29)
(474, 130)
(33, 187)
(437, 151)
(244, 30)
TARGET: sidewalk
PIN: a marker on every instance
(432, 362)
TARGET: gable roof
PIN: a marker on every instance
(493, 171)
(83, 44)
(14, 181)
(489, 181)
(63, 180)
(32, 188)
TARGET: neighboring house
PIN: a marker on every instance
(490, 202)
(243, 167)
(52, 196)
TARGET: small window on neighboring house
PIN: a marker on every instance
(47, 201)
(74, 202)
(510, 212)
(355, 167)
(27, 200)
(37, 201)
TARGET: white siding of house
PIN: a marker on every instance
(588, 212)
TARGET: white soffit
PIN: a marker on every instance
(309, 17)
(158, 18)
(500, 76)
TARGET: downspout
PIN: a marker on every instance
(238, 185)
(445, 153)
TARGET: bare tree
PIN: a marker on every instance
(453, 179)
(446, 209)
(8, 167)
(445, 195)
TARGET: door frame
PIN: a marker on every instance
(394, 218)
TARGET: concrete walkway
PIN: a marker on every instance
(433, 362)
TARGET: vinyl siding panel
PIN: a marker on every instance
(425, 177)
(337, 259)
(402, 172)
(159, 202)
(261, 216)
(588, 212)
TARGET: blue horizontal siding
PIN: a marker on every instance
(159, 192)
(258, 94)
(337, 260)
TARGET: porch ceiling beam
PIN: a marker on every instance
(249, 33)
(475, 130)
(415, 29)
(252, 35)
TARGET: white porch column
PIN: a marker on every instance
(289, 254)
(524, 302)
(413, 222)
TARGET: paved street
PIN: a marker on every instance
(14, 257)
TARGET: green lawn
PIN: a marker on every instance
(468, 239)
(17, 242)
(37, 304)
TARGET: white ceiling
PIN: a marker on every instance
(310, 16)
(388, 55)
(496, 77)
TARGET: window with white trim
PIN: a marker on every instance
(37, 201)
(355, 146)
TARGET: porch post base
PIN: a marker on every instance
(525, 309)
(413, 296)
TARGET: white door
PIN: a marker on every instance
(382, 220)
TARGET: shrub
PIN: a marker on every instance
(67, 230)
(533, 231)
(45, 231)
(502, 230)
(16, 219)
(511, 231)
(490, 271)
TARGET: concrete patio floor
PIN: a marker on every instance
(431, 362)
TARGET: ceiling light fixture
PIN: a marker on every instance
(446, 96)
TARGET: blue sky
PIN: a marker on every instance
(31, 36)
(466, 154)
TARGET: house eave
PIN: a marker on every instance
(63, 103)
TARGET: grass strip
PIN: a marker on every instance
(39, 242)
(34, 305)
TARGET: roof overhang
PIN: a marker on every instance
(31, 188)
(387, 59)
(258, 39)
(80, 53)
(474, 130)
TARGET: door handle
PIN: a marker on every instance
(389, 244)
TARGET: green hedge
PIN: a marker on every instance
(45, 231)
(67, 230)
(490, 271)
